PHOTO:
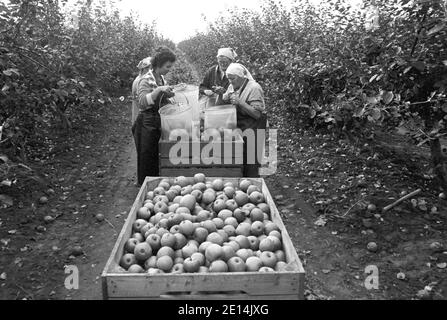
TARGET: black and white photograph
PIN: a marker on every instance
(222, 155)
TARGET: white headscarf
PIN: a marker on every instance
(227, 52)
(145, 63)
(239, 70)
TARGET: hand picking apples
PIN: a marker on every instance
(195, 225)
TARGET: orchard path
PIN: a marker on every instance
(97, 175)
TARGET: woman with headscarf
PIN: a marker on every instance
(248, 97)
(144, 66)
(216, 83)
(153, 93)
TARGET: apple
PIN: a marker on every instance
(161, 199)
(219, 205)
(164, 223)
(181, 181)
(203, 270)
(166, 251)
(257, 215)
(234, 245)
(204, 215)
(199, 257)
(213, 252)
(177, 189)
(150, 195)
(222, 196)
(267, 245)
(177, 200)
(215, 238)
(231, 221)
(154, 271)
(130, 245)
(179, 260)
(174, 230)
(197, 194)
(269, 259)
(225, 214)
(236, 264)
(180, 241)
(252, 189)
(229, 184)
(138, 224)
(244, 185)
(165, 263)
(127, 261)
(209, 225)
(228, 252)
(276, 242)
(257, 198)
(193, 243)
(218, 185)
(188, 217)
(266, 269)
(270, 226)
(257, 228)
(253, 264)
(144, 213)
(243, 229)
(243, 242)
(231, 205)
(162, 231)
(223, 234)
(254, 243)
(161, 207)
(191, 266)
(186, 228)
(203, 246)
(280, 255)
(143, 251)
(149, 205)
(229, 192)
(230, 230)
(208, 197)
(150, 263)
(157, 218)
(186, 191)
(199, 186)
(188, 201)
(275, 233)
(218, 266)
(239, 215)
(199, 178)
(134, 269)
(258, 253)
(244, 254)
(189, 250)
(219, 223)
(154, 240)
(168, 240)
(178, 254)
(171, 194)
(241, 198)
(178, 269)
(146, 228)
(159, 191)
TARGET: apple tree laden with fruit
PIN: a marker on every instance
(350, 69)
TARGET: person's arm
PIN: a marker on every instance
(227, 95)
(148, 92)
(249, 110)
(254, 106)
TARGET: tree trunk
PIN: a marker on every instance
(439, 163)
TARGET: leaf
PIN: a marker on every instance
(10, 72)
(419, 65)
(374, 77)
(6, 183)
(436, 29)
(376, 114)
(402, 131)
(4, 158)
(387, 97)
(6, 201)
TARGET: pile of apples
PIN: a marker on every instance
(191, 225)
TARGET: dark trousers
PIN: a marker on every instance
(147, 133)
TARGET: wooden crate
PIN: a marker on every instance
(227, 163)
(288, 285)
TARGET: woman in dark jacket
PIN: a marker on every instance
(216, 83)
(153, 93)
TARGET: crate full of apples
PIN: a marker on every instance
(199, 225)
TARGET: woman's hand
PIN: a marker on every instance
(208, 93)
(167, 90)
(219, 90)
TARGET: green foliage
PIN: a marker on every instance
(335, 69)
(58, 63)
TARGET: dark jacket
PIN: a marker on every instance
(213, 79)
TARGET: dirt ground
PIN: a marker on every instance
(320, 178)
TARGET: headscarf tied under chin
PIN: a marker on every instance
(227, 52)
(239, 70)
